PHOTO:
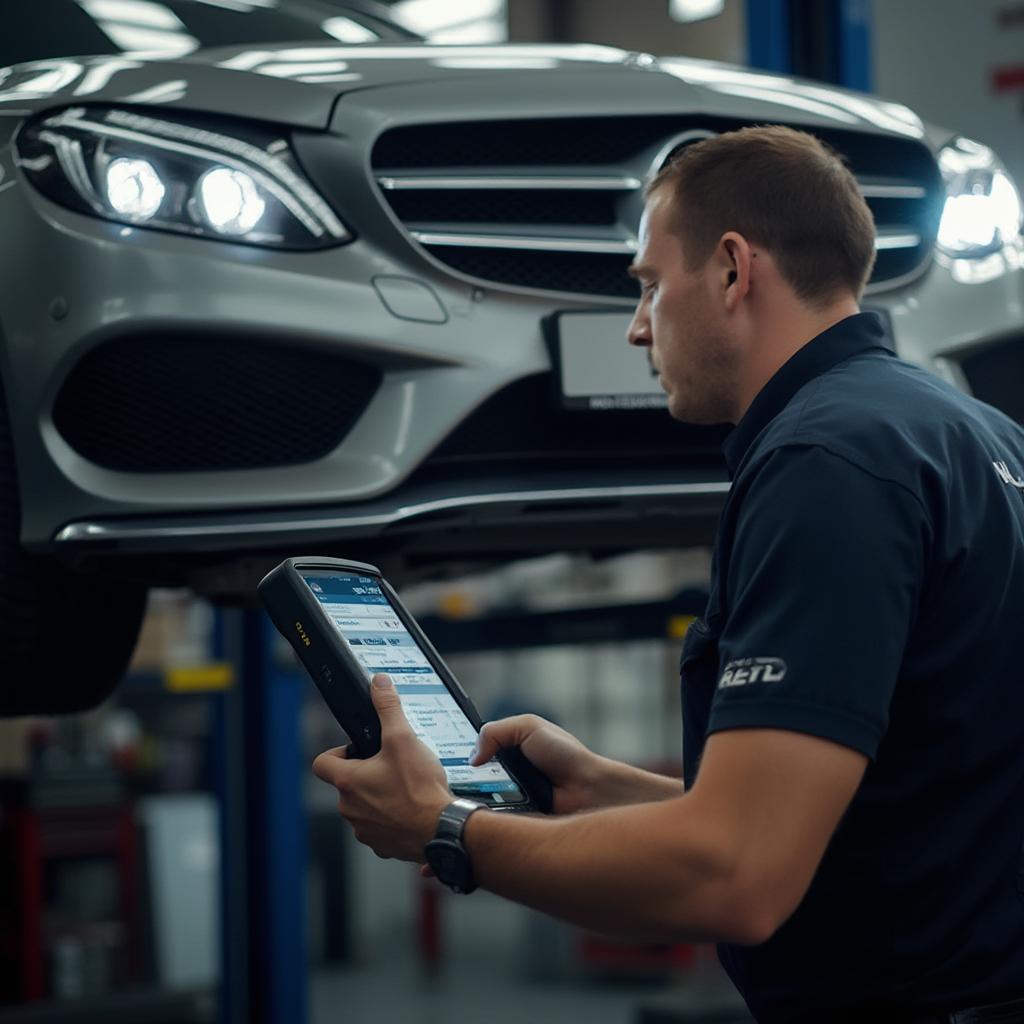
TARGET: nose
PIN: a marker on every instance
(639, 330)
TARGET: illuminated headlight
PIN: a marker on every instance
(134, 188)
(983, 208)
(230, 201)
(151, 172)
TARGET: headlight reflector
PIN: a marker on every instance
(183, 177)
(230, 201)
(983, 208)
(134, 188)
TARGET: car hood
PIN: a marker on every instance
(301, 85)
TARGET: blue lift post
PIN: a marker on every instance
(853, 27)
(227, 740)
(843, 33)
(768, 40)
(264, 832)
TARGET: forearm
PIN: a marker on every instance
(642, 872)
(616, 784)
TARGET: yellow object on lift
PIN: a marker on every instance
(679, 624)
(217, 675)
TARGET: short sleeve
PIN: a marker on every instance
(822, 585)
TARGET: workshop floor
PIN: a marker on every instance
(486, 992)
(499, 964)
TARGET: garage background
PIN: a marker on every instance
(204, 874)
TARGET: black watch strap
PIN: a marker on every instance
(445, 853)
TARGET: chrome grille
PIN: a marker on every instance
(552, 205)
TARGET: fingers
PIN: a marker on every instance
(506, 732)
(331, 766)
(388, 705)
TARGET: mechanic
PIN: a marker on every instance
(853, 699)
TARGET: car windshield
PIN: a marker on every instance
(39, 29)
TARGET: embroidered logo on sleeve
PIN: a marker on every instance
(753, 670)
(1007, 477)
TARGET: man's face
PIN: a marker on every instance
(680, 320)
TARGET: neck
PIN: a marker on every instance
(779, 338)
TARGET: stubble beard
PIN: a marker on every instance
(707, 396)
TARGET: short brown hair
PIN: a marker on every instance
(782, 189)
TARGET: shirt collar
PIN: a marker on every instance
(854, 334)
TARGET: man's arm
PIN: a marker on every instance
(618, 784)
(729, 860)
(581, 779)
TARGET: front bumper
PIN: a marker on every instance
(443, 345)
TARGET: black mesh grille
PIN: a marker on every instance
(171, 403)
(523, 427)
(996, 376)
(891, 264)
(505, 206)
(592, 273)
(569, 141)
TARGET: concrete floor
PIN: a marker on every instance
(499, 963)
(488, 991)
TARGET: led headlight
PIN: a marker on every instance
(137, 169)
(983, 208)
(230, 201)
(134, 188)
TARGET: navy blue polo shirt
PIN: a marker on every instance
(868, 588)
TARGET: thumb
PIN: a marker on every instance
(386, 701)
(505, 732)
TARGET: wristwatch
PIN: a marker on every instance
(447, 857)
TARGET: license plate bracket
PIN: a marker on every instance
(595, 368)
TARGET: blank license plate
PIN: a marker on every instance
(599, 369)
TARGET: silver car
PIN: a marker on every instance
(363, 295)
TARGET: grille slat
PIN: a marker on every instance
(457, 196)
(523, 242)
(883, 188)
(524, 183)
(897, 236)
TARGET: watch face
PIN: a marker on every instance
(448, 861)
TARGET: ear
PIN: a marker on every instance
(733, 259)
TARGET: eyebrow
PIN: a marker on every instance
(638, 269)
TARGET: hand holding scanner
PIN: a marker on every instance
(346, 623)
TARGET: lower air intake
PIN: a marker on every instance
(185, 403)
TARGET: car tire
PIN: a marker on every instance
(65, 637)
